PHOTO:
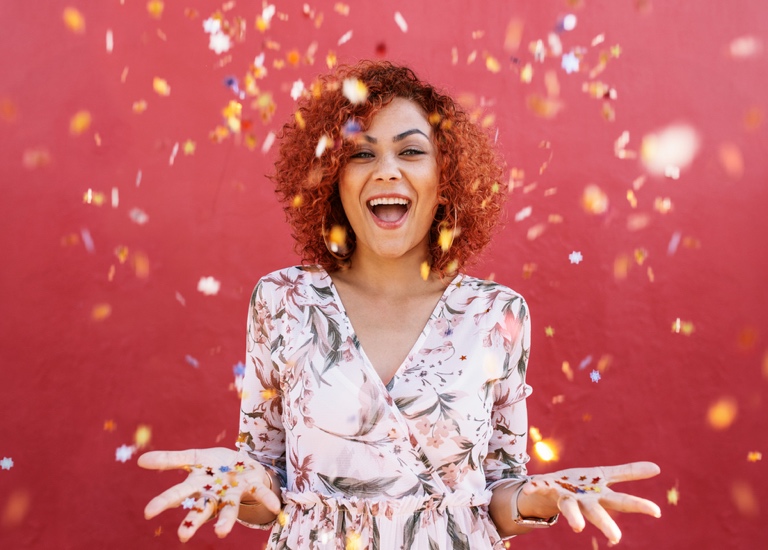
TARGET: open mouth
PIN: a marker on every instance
(389, 209)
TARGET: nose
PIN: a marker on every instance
(387, 168)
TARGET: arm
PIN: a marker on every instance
(262, 436)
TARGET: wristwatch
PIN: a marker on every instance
(531, 522)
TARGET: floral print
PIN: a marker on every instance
(410, 464)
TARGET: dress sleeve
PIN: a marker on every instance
(505, 463)
(262, 435)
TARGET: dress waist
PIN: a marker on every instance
(387, 506)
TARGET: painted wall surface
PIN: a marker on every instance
(124, 183)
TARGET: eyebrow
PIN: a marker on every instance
(398, 137)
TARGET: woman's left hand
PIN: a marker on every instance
(585, 494)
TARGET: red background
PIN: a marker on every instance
(74, 388)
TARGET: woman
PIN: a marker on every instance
(384, 398)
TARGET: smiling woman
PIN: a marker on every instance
(384, 398)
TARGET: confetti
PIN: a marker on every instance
(142, 436)
(754, 456)
(575, 257)
(297, 89)
(745, 499)
(669, 150)
(268, 141)
(188, 503)
(549, 331)
(570, 63)
(219, 43)
(400, 20)
(74, 20)
(110, 41)
(567, 371)
(155, 8)
(425, 269)
(124, 453)
(354, 90)
(513, 35)
(36, 157)
(594, 200)
(731, 160)
(109, 426)
(6, 463)
(545, 450)
(594, 376)
(673, 496)
(524, 213)
(745, 46)
(139, 106)
(85, 235)
(722, 413)
(345, 38)
(79, 123)
(101, 312)
(208, 286)
(189, 147)
(161, 86)
(192, 361)
(568, 23)
(686, 327)
(322, 144)
(138, 216)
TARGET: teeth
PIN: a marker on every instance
(388, 200)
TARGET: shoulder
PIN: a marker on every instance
(276, 285)
(483, 296)
(485, 288)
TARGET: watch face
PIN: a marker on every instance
(537, 522)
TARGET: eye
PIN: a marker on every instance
(412, 151)
(361, 155)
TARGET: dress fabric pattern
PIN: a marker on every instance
(409, 464)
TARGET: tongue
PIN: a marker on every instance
(389, 212)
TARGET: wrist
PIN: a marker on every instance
(534, 510)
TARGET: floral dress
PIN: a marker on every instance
(409, 464)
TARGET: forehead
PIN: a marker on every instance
(401, 114)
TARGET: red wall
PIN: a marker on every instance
(75, 388)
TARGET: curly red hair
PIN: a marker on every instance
(470, 193)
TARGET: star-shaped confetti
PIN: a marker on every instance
(575, 257)
(754, 456)
(6, 463)
(124, 453)
(109, 426)
(549, 331)
(188, 503)
(594, 376)
(570, 63)
(208, 286)
(189, 147)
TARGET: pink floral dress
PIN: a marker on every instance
(410, 464)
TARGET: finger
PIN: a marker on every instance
(226, 520)
(569, 508)
(203, 511)
(596, 515)
(167, 460)
(169, 498)
(622, 502)
(629, 472)
(266, 496)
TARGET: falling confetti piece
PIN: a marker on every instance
(139, 106)
(524, 213)
(492, 64)
(16, 508)
(722, 413)
(268, 141)
(685, 327)
(594, 200)
(138, 216)
(594, 376)
(731, 160)
(425, 269)
(575, 257)
(85, 235)
(6, 463)
(568, 22)
(744, 47)
(346, 37)
(79, 123)
(322, 144)
(142, 436)
(208, 286)
(101, 312)
(400, 20)
(35, 158)
(109, 426)
(161, 86)
(110, 41)
(189, 147)
(669, 150)
(513, 35)
(567, 371)
(124, 453)
(74, 20)
(570, 63)
(297, 89)
(192, 361)
(549, 331)
(673, 496)
(174, 151)
(354, 90)
(155, 8)
(754, 456)
(745, 499)
(545, 450)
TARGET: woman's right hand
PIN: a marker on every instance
(218, 479)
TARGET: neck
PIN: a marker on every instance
(390, 276)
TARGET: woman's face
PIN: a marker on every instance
(389, 186)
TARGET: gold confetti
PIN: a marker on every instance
(122, 253)
(330, 59)
(74, 20)
(662, 205)
(142, 436)
(139, 106)
(79, 123)
(513, 35)
(299, 120)
(731, 160)
(745, 499)
(155, 8)
(526, 75)
(297, 201)
(686, 327)
(492, 64)
(341, 8)
(754, 456)
(567, 371)
(673, 496)
(293, 57)
(140, 263)
(640, 255)
(722, 413)
(425, 269)
(101, 312)
(621, 267)
(549, 331)
(632, 198)
(337, 238)
(189, 147)
(594, 200)
(161, 86)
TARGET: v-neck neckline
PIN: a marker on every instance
(389, 385)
